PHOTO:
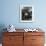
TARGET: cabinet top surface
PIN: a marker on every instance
(22, 30)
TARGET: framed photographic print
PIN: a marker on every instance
(26, 13)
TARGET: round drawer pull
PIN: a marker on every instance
(11, 38)
(33, 39)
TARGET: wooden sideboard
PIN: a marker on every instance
(23, 38)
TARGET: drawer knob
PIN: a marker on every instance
(33, 39)
(11, 38)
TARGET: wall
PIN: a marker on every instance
(10, 13)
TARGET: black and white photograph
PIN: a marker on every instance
(26, 13)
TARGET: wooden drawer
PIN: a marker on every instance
(27, 39)
(34, 33)
(12, 39)
(20, 44)
(37, 39)
(13, 33)
(37, 44)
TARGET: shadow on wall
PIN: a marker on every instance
(2, 26)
